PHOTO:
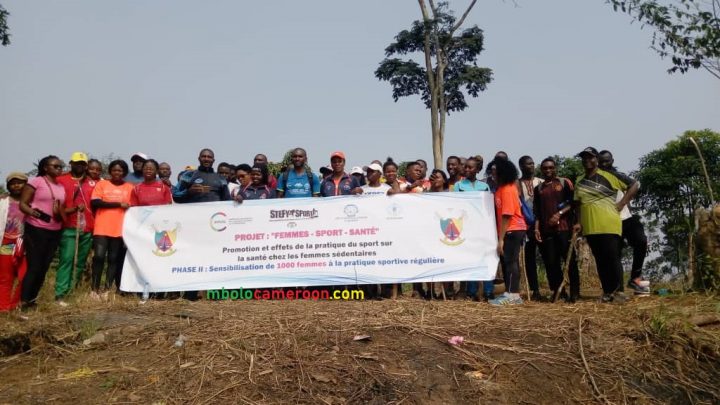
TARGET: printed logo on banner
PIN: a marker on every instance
(218, 221)
(394, 211)
(451, 226)
(350, 212)
(165, 238)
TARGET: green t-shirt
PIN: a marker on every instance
(596, 195)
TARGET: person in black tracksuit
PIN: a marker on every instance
(202, 185)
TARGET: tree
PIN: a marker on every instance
(568, 167)
(450, 65)
(4, 29)
(688, 31)
(673, 186)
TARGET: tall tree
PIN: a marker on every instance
(688, 31)
(449, 65)
(673, 186)
(4, 29)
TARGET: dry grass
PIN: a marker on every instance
(647, 351)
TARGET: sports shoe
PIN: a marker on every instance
(606, 298)
(643, 283)
(619, 297)
(638, 288)
(505, 299)
(61, 303)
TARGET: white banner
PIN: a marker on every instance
(310, 242)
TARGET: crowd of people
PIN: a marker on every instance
(79, 212)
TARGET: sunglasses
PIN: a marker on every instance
(57, 166)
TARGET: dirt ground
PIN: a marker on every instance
(649, 350)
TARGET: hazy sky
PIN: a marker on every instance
(171, 77)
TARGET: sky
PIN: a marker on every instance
(170, 77)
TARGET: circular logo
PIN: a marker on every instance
(558, 187)
(218, 221)
(351, 210)
(199, 180)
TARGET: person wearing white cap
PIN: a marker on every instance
(136, 176)
(374, 186)
(359, 174)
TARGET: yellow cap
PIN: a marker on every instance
(79, 157)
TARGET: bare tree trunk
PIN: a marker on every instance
(432, 85)
(436, 82)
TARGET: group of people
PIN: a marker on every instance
(78, 212)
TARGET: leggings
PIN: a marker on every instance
(40, 247)
(554, 248)
(633, 232)
(114, 250)
(606, 249)
(511, 260)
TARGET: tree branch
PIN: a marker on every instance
(462, 19)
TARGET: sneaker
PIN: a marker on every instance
(619, 297)
(61, 303)
(506, 299)
(643, 283)
(637, 287)
(606, 298)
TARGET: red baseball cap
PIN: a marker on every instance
(338, 154)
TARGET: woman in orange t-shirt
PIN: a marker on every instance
(110, 198)
(511, 230)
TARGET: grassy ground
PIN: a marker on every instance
(650, 350)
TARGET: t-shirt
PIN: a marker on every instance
(528, 190)
(404, 184)
(452, 182)
(507, 202)
(382, 189)
(108, 221)
(43, 200)
(467, 185)
(549, 198)
(14, 224)
(156, 193)
(597, 195)
(78, 192)
(297, 185)
(134, 178)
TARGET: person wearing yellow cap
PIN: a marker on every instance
(12, 263)
(76, 239)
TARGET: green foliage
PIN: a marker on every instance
(688, 31)
(276, 168)
(4, 29)
(408, 77)
(568, 166)
(672, 186)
